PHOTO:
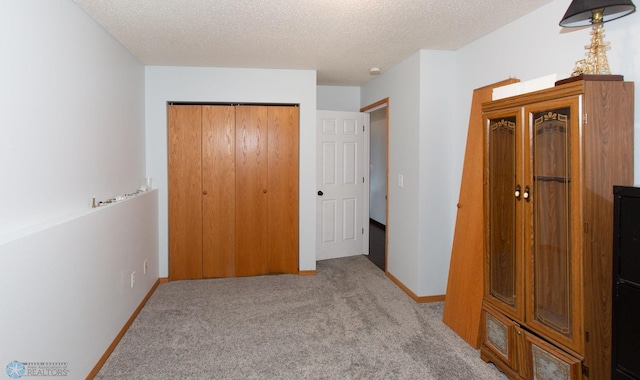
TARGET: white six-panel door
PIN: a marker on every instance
(342, 184)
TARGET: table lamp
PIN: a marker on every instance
(595, 12)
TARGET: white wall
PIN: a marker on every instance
(72, 102)
(66, 292)
(437, 181)
(72, 106)
(338, 98)
(195, 84)
(401, 84)
(420, 220)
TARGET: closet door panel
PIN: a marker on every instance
(218, 191)
(251, 190)
(282, 251)
(185, 210)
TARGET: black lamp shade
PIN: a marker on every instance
(580, 11)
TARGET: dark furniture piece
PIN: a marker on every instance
(626, 284)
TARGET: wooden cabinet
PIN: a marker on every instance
(551, 160)
(626, 283)
(233, 190)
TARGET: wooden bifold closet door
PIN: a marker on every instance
(233, 190)
(218, 191)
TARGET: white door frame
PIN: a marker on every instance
(383, 103)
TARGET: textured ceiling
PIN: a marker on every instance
(341, 39)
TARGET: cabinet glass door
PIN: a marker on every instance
(503, 163)
(554, 272)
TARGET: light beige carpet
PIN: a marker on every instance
(347, 322)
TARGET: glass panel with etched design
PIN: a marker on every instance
(546, 366)
(497, 335)
(551, 211)
(502, 222)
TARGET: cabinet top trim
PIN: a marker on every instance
(561, 90)
(176, 103)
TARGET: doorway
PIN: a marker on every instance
(378, 185)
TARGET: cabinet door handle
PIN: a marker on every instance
(320, 193)
(517, 192)
(526, 194)
(204, 192)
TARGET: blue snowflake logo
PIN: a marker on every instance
(15, 369)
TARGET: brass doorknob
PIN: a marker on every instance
(527, 195)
